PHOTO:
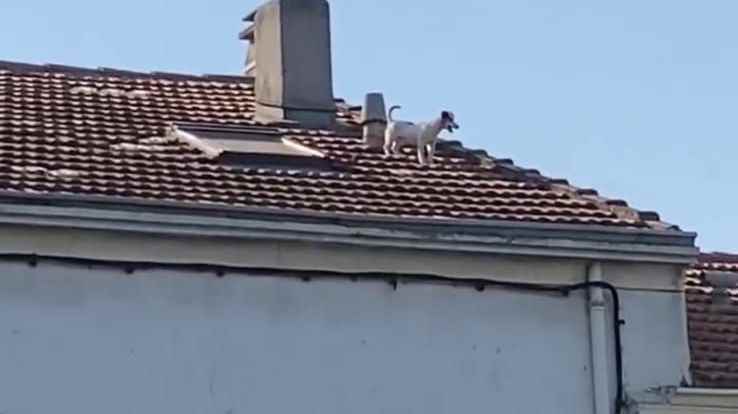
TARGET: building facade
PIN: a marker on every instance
(233, 244)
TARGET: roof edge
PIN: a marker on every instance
(706, 397)
(617, 206)
(718, 257)
(732, 392)
(24, 68)
(539, 239)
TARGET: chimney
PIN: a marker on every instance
(290, 58)
(374, 120)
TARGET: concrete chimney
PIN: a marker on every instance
(290, 58)
(374, 120)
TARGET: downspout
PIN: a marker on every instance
(598, 342)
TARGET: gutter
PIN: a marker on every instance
(706, 398)
(494, 237)
(685, 400)
(711, 392)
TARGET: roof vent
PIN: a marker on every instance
(249, 146)
(374, 120)
(725, 285)
(722, 279)
(290, 58)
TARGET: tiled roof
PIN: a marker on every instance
(712, 314)
(102, 132)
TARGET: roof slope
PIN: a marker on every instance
(712, 315)
(101, 132)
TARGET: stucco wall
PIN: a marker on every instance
(91, 340)
(655, 348)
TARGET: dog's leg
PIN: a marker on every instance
(431, 151)
(421, 154)
(388, 141)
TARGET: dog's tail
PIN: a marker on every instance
(392, 109)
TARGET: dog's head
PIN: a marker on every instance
(449, 121)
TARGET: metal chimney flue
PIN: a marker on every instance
(290, 58)
(374, 120)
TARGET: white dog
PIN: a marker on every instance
(424, 136)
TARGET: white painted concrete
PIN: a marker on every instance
(126, 245)
(92, 340)
(639, 246)
(654, 340)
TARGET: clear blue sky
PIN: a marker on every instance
(634, 98)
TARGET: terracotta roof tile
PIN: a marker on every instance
(102, 132)
(712, 317)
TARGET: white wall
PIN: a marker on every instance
(84, 340)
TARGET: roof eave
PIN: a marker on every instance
(503, 237)
(724, 392)
(706, 397)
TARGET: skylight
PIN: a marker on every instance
(249, 146)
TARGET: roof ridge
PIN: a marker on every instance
(22, 67)
(718, 257)
(617, 206)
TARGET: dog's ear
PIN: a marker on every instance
(445, 115)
